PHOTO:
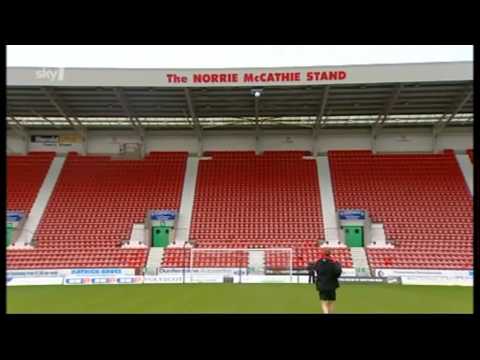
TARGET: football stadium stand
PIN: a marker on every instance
(422, 200)
(377, 135)
(94, 205)
(261, 201)
(267, 201)
(25, 175)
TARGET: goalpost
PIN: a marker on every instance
(243, 262)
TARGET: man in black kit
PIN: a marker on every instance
(311, 273)
(328, 271)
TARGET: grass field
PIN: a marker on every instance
(234, 298)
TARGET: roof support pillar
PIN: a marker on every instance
(258, 135)
(22, 132)
(44, 118)
(142, 134)
(62, 108)
(434, 141)
(319, 120)
(440, 125)
(457, 106)
(122, 99)
(258, 131)
(196, 124)
(383, 117)
(373, 141)
(84, 134)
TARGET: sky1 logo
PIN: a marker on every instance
(56, 74)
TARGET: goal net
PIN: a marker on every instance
(241, 262)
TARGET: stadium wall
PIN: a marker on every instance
(15, 144)
(405, 141)
(342, 139)
(109, 141)
(170, 141)
(388, 140)
(232, 142)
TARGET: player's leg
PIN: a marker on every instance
(325, 307)
(331, 301)
(331, 307)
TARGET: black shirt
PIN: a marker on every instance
(328, 272)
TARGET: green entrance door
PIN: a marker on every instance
(10, 230)
(354, 236)
(160, 236)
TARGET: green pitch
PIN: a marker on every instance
(234, 298)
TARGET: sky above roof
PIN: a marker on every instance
(228, 56)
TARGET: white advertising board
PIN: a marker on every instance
(206, 278)
(426, 272)
(36, 273)
(163, 279)
(272, 279)
(429, 277)
(348, 272)
(71, 272)
(435, 280)
(24, 281)
(101, 272)
(102, 280)
(225, 271)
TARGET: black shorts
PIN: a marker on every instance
(327, 295)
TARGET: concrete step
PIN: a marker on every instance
(360, 261)
(41, 202)
(137, 236)
(466, 167)
(328, 201)
(154, 261)
(185, 212)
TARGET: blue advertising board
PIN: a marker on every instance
(163, 215)
(351, 214)
(98, 272)
(14, 216)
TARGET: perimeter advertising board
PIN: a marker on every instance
(429, 277)
(70, 272)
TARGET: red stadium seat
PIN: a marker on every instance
(422, 200)
(25, 175)
(248, 201)
(94, 205)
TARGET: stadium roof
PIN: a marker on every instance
(426, 94)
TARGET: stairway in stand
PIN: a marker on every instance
(360, 261)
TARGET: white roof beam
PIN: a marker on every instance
(256, 103)
(319, 120)
(18, 127)
(257, 122)
(62, 108)
(126, 108)
(191, 110)
(34, 112)
(457, 107)
(388, 107)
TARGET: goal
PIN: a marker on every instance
(242, 262)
